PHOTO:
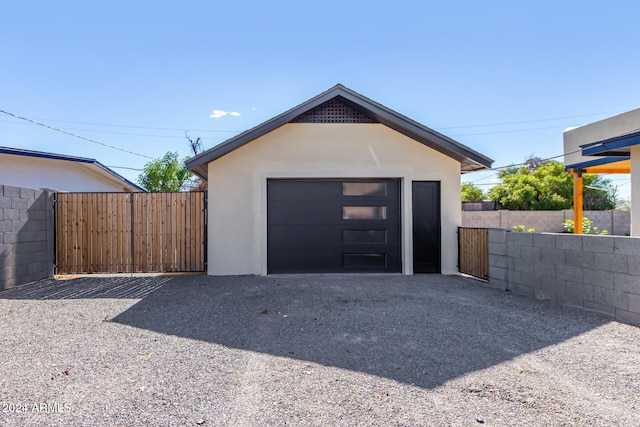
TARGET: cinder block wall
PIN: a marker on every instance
(26, 235)
(615, 222)
(600, 273)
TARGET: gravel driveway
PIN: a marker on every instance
(308, 350)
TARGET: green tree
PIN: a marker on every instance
(544, 185)
(471, 193)
(166, 174)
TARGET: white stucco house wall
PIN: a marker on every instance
(58, 172)
(339, 183)
(611, 145)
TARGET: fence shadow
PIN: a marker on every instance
(87, 287)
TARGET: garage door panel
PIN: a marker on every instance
(333, 226)
(301, 190)
(296, 260)
(307, 212)
(304, 236)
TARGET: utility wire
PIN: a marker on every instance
(525, 121)
(125, 167)
(508, 131)
(139, 127)
(73, 134)
(554, 157)
(234, 131)
(524, 163)
(122, 133)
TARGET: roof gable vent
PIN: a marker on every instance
(335, 111)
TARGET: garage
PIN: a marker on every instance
(337, 184)
(329, 226)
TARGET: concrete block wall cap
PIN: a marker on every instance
(10, 191)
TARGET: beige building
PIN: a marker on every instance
(59, 172)
(608, 146)
(339, 183)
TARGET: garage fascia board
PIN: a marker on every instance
(469, 159)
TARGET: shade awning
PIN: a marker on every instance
(619, 146)
(603, 165)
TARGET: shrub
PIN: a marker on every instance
(587, 227)
(521, 229)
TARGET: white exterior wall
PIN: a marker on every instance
(635, 190)
(59, 175)
(238, 185)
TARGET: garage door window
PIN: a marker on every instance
(364, 212)
(364, 189)
(364, 236)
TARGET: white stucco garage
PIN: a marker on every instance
(338, 183)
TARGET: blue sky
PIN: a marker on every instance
(503, 77)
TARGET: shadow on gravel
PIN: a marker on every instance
(87, 287)
(423, 330)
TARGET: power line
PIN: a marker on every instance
(507, 131)
(541, 160)
(521, 164)
(234, 131)
(123, 133)
(139, 127)
(237, 131)
(525, 121)
(73, 134)
(125, 167)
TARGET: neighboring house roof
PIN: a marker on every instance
(369, 112)
(98, 167)
(613, 155)
(619, 146)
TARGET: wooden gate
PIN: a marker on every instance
(473, 252)
(130, 232)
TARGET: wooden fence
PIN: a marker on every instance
(130, 232)
(473, 252)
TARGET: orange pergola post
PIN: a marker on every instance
(577, 201)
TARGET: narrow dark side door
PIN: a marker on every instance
(426, 226)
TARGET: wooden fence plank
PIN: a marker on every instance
(129, 232)
(473, 249)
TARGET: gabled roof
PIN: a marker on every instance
(368, 110)
(100, 168)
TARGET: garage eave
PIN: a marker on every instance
(470, 160)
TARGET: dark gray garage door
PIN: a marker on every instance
(319, 226)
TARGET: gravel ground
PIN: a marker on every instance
(308, 350)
